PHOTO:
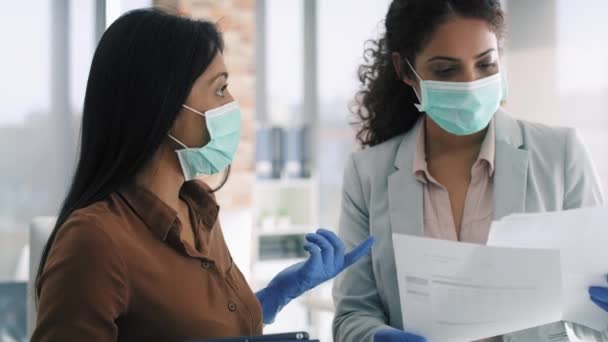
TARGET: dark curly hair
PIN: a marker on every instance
(384, 107)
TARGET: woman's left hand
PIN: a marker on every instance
(327, 259)
(599, 295)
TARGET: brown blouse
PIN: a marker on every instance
(118, 271)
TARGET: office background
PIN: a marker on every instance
(293, 69)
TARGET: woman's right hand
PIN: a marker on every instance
(394, 335)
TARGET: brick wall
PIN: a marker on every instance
(236, 20)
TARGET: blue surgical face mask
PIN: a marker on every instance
(224, 126)
(461, 108)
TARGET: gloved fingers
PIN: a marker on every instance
(327, 250)
(315, 256)
(312, 249)
(599, 293)
(601, 304)
(336, 243)
(358, 252)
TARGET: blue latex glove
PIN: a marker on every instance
(326, 260)
(599, 295)
(394, 335)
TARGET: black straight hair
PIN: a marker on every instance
(142, 72)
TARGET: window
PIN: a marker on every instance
(339, 57)
(557, 69)
(44, 77)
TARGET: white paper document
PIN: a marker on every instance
(581, 236)
(453, 291)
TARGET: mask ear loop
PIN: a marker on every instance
(192, 110)
(177, 141)
(419, 105)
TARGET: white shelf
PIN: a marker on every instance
(280, 263)
(298, 183)
(293, 230)
(320, 304)
(265, 270)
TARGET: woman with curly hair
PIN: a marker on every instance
(441, 159)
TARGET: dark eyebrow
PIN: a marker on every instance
(221, 74)
(452, 59)
(485, 53)
(436, 58)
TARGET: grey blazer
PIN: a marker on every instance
(537, 169)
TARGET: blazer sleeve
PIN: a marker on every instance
(359, 313)
(582, 185)
(582, 189)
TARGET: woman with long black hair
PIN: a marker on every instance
(137, 252)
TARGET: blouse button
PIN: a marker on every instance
(232, 307)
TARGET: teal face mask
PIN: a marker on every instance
(224, 126)
(461, 108)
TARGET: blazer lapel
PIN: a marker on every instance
(405, 191)
(511, 171)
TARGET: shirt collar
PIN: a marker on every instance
(159, 217)
(488, 148)
(486, 153)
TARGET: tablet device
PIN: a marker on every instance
(285, 337)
